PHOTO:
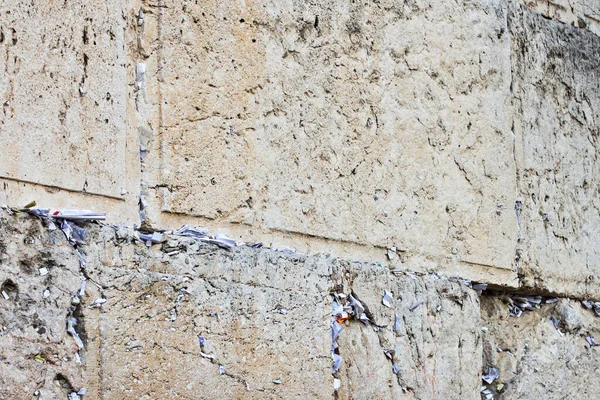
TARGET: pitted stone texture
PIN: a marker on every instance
(583, 14)
(557, 114)
(264, 316)
(31, 324)
(329, 127)
(379, 124)
(536, 360)
(63, 86)
(437, 348)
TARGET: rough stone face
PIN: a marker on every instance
(357, 123)
(431, 136)
(158, 305)
(265, 316)
(437, 348)
(536, 360)
(556, 95)
(63, 90)
(35, 351)
(578, 13)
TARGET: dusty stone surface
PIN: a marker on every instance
(556, 96)
(265, 316)
(536, 360)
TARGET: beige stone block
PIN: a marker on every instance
(342, 122)
(557, 103)
(63, 96)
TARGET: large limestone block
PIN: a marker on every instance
(62, 88)
(556, 92)
(362, 123)
(264, 319)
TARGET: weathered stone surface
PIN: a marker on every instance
(148, 328)
(536, 360)
(32, 324)
(63, 93)
(556, 95)
(583, 14)
(378, 124)
(334, 127)
(265, 316)
(437, 348)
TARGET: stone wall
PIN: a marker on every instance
(556, 100)
(349, 128)
(535, 359)
(442, 140)
(265, 318)
(265, 315)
